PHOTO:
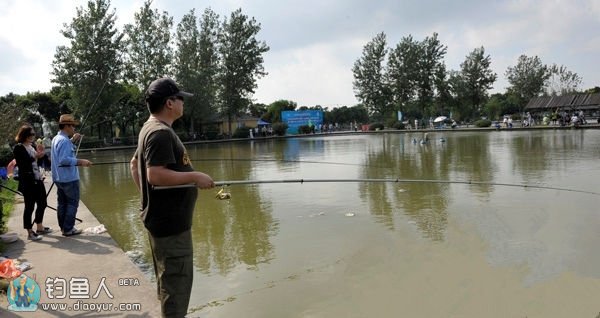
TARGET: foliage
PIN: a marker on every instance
(280, 128)
(7, 200)
(474, 80)
(90, 64)
(241, 132)
(416, 74)
(376, 126)
(273, 114)
(483, 123)
(527, 78)
(257, 109)
(593, 90)
(196, 65)
(403, 71)
(397, 125)
(501, 104)
(129, 110)
(12, 118)
(561, 81)
(369, 77)
(305, 129)
(6, 156)
(241, 63)
(45, 106)
(344, 115)
(431, 66)
(148, 46)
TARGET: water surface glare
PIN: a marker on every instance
(384, 249)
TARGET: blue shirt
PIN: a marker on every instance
(64, 163)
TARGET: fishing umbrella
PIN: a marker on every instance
(440, 119)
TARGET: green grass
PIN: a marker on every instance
(7, 201)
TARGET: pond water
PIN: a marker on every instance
(361, 249)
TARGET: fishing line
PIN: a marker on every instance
(250, 182)
(21, 194)
(260, 160)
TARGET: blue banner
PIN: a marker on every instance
(295, 119)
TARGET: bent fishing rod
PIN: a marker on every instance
(21, 194)
(389, 180)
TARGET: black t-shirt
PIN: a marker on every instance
(169, 211)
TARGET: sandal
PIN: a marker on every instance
(46, 230)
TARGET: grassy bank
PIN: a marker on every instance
(7, 201)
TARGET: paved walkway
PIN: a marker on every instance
(80, 264)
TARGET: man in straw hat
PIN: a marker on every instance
(162, 160)
(65, 173)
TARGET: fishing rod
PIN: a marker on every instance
(21, 194)
(260, 160)
(390, 180)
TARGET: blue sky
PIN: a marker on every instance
(315, 43)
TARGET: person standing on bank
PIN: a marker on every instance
(31, 182)
(162, 160)
(65, 173)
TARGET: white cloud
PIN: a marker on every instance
(312, 75)
(314, 44)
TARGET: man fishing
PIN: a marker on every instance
(65, 173)
(162, 160)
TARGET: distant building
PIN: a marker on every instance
(589, 103)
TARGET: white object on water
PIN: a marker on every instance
(349, 214)
(401, 190)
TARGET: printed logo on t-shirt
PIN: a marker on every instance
(186, 159)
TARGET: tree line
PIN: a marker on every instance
(101, 73)
(412, 78)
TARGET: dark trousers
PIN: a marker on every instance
(173, 265)
(33, 195)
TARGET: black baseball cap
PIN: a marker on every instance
(165, 87)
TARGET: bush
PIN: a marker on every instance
(211, 134)
(305, 129)
(7, 200)
(242, 132)
(6, 156)
(483, 123)
(397, 125)
(279, 129)
(376, 126)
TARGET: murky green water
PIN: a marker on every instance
(408, 250)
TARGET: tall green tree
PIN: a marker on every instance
(430, 63)
(527, 78)
(369, 78)
(477, 78)
(402, 72)
(89, 66)
(561, 81)
(149, 54)
(241, 63)
(197, 65)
